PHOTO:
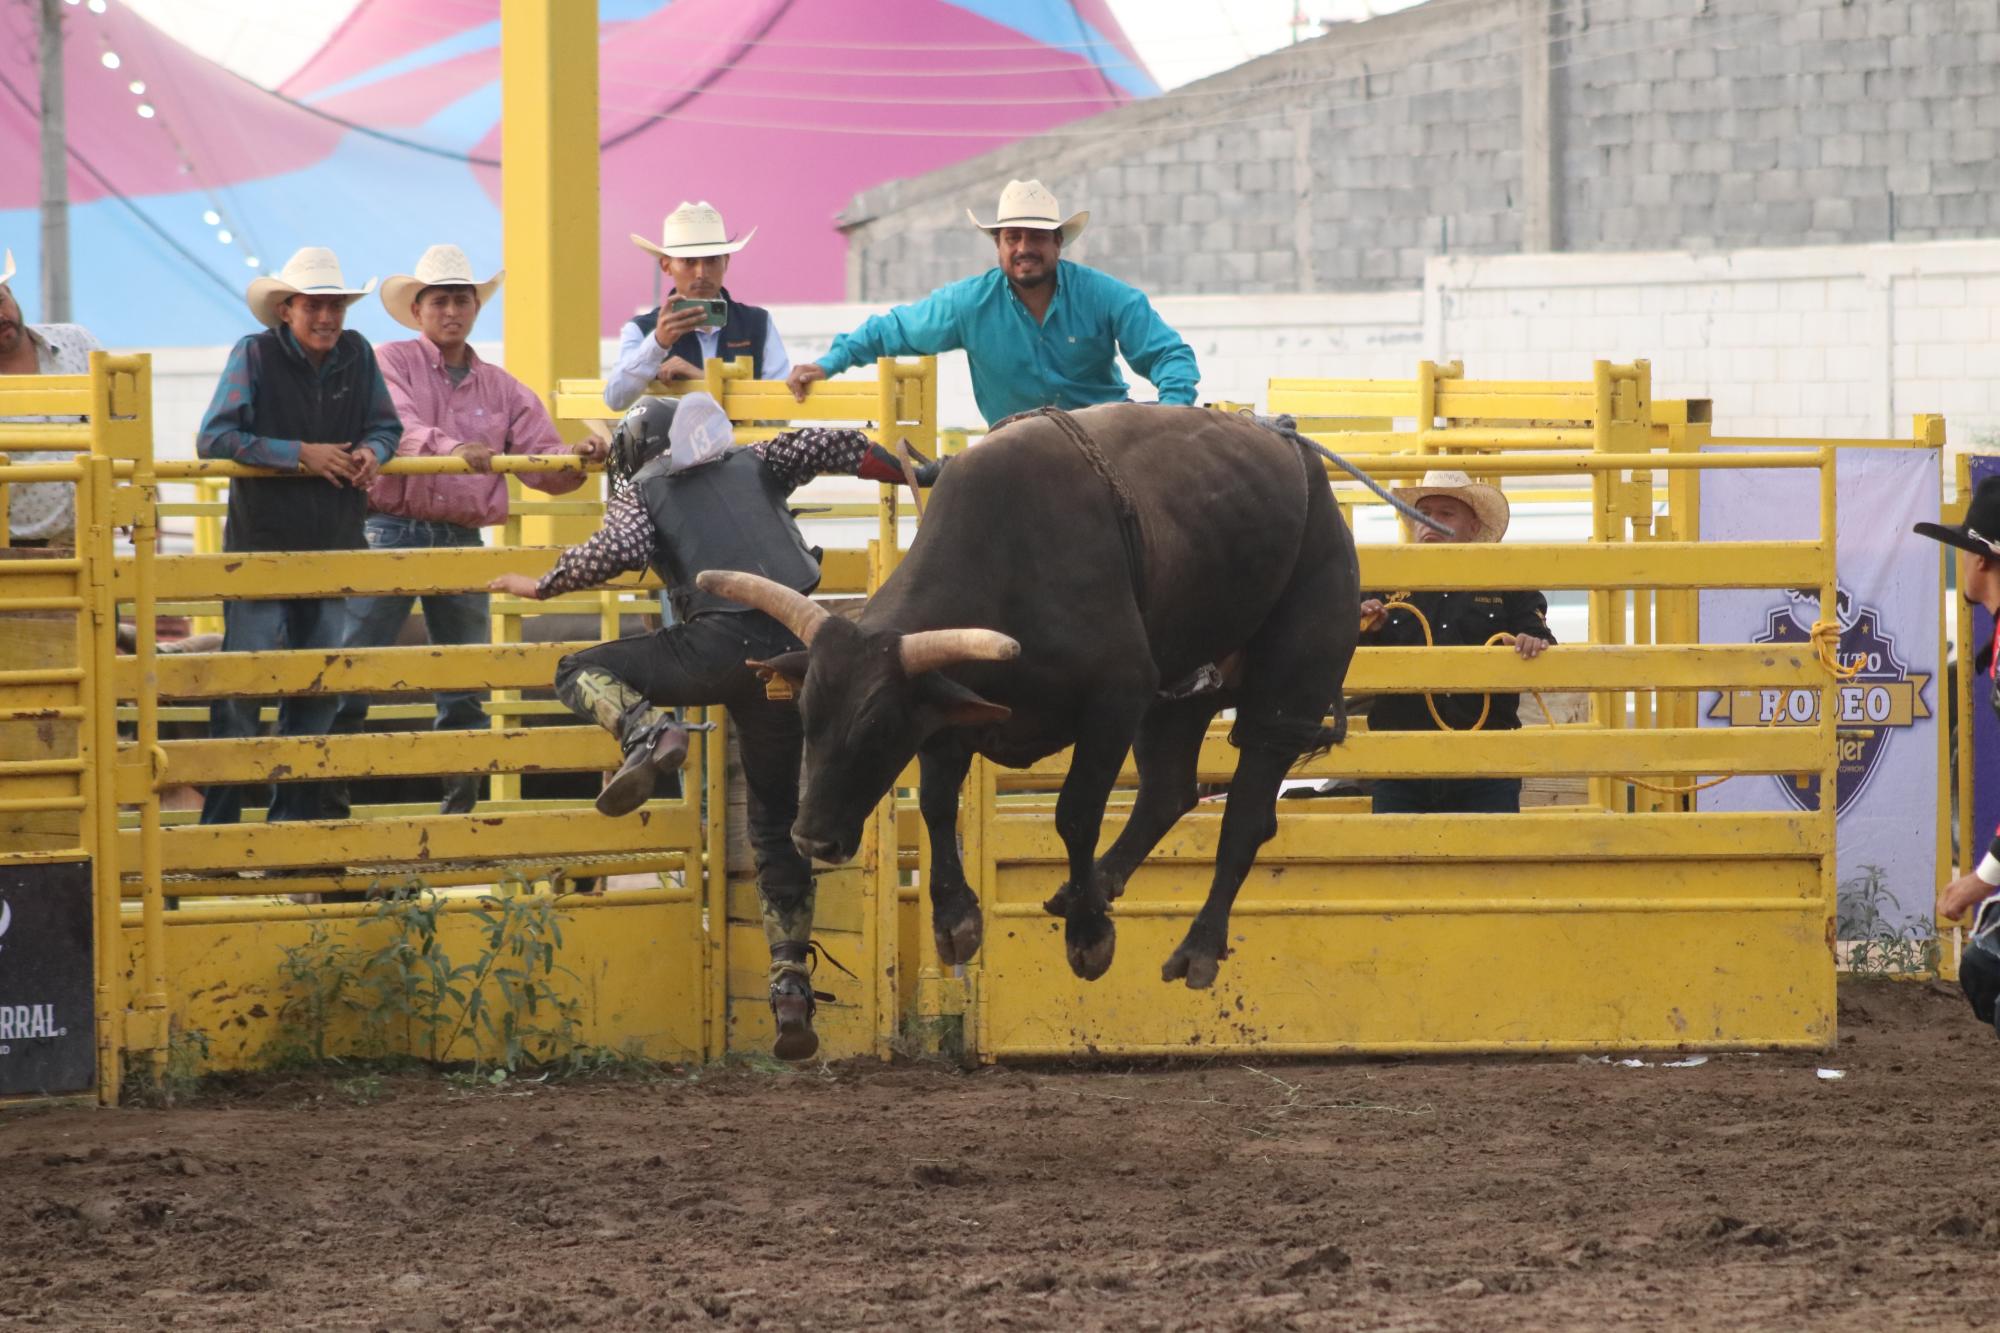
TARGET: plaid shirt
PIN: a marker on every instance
(625, 542)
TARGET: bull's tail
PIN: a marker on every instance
(1328, 736)
(1288, 428)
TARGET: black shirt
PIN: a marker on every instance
(1458, 619)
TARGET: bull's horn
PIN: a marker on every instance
(930, 649)
(794, 610)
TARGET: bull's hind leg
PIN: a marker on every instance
(1293, 669)
(1101, 746)
(956, 925)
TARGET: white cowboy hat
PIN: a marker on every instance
(1488, 505)
(694, 230)
(7, 269)
(439, 266)
(313, 271)
(1029, 204)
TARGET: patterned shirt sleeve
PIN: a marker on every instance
(229, 431)
(383, 430)
(623, 544)
(797, 456)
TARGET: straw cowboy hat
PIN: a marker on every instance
(440, 266)
(1029, 204)
(313, 271)
(1488, 505)
(7, 268)
(694, 230)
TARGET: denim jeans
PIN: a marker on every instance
(255, 627)
(458, 617)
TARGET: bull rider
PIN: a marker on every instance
(685, 501)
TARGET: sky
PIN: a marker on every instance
(1180, 40)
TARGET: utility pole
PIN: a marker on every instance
(55, 171)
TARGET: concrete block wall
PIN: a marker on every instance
(1346, 162)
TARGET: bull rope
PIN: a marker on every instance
(1287, 427)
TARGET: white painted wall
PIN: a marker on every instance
(1836, 340)
(1828, 340)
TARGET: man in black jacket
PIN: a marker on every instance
(1474, 512)
(669, 344)
(304, 396)
(685, 501)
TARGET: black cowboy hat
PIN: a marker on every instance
(1980, 533)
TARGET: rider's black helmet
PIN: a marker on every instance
(640, 438)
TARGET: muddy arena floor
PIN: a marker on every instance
(1488, 1194)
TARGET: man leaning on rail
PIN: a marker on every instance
(1978, 889)
(305, 396)
(452, 404)
(1474, 512)
(684, 501)
(1038, 330)
(674, 344)
(39, 513)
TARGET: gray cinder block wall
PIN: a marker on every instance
(1345, 162)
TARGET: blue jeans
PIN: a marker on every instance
(256, 627)
(1433, 796)
(458, 617)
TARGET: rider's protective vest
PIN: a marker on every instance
(727, 514)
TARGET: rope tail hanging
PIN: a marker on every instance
(1288, 428)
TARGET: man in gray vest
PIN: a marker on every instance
(684, 501)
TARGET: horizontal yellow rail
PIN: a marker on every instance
(1530, 751)
(1573, 566)
(389, 754)
(553, 835)
(1536, 836)
(263, 575)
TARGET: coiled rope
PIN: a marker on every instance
(1831, 662)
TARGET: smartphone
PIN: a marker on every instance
(714, 313)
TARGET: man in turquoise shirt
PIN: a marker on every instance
(1038, 330)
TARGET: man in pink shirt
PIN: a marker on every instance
(451, 402)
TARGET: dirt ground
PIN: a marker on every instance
(1743, 1193)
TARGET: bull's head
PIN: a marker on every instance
(867, 700)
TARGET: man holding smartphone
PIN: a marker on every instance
(698, 319)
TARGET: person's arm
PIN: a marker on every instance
(1527, 619)
(923, 328)
(228, 430)
(623, 544)
(639, 358)
(777, 361)
(1975, 886)
(1150, 347)
(530, 431)
(797, 456)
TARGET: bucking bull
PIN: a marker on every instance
(1067, 570)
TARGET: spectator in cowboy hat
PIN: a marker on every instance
(451, 403)
(668, 344)
(305, 396)
(39, 513)
(1975, 891)
(1474, 512)
(1038, 330)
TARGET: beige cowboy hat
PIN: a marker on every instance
(1029, 204)
(694, 230)
(313, 271)
(1488, 505)
(439, 266)
(7, 268)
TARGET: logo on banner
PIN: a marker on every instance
(24, 1022)
(1882, 698)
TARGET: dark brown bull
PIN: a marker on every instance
(1060, 579)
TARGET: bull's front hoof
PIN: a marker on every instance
(1196, 967)
(1058, 902)
(958, 941)
(1091, 942)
